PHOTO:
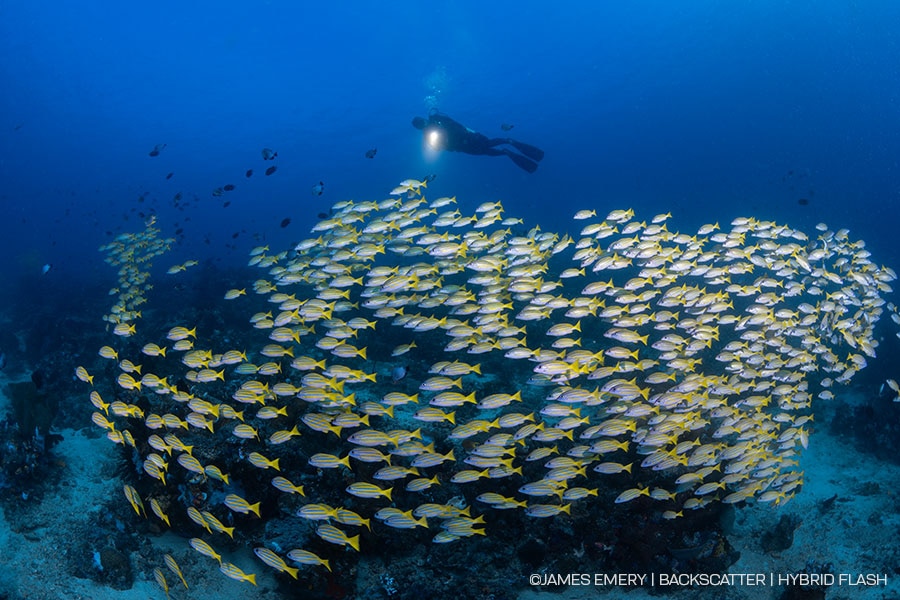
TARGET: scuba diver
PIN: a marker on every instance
(443, 133)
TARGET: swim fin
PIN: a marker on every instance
(522, 162)
(532, 152)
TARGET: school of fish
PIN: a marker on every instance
(553, 372)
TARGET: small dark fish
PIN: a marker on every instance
(803, 201)
(429, 178)
(235, 234)
(218, 192)
(271, 170)
(157, 149)
(228, 187)
(226, 204)
(506, 127)
(177, 197)
(398, 373)
(249, 173)
(322, 215)
(318, 188)
(285, 222)
(169, 176)
(371, 153)
(179, 231)
(269, 154)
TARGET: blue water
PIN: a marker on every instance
(708, 110)
(704, 109)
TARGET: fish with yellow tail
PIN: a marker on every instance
(670, 365)
(632, 493)
(160, 578)
(286, 486)
(332, 534)
(205, 549)
(275, 561)
(152, 349)
(124, 329)
(134, 499)
(82, 374)
(237, 574)
(260, 461)
(98, 402)
(305, 557)
(181, 333)
(126, 381)
(238, 504)
(362, 489)
(158, 511)
(173, 566)
(108, 352)
(216, 525)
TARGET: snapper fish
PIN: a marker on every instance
(275, 561)
(161, 580)
(82, 374)
(238, 504)
(408, 185)
(176, 570)
(205, 549)
(305, 557)
(237, 574)
(692, 368)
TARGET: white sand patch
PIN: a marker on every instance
(35, 561)
(855, 536)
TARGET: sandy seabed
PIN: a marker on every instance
(859, 535)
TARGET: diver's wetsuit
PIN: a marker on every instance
(456, 137)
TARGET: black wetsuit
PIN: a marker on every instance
(456, 137)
